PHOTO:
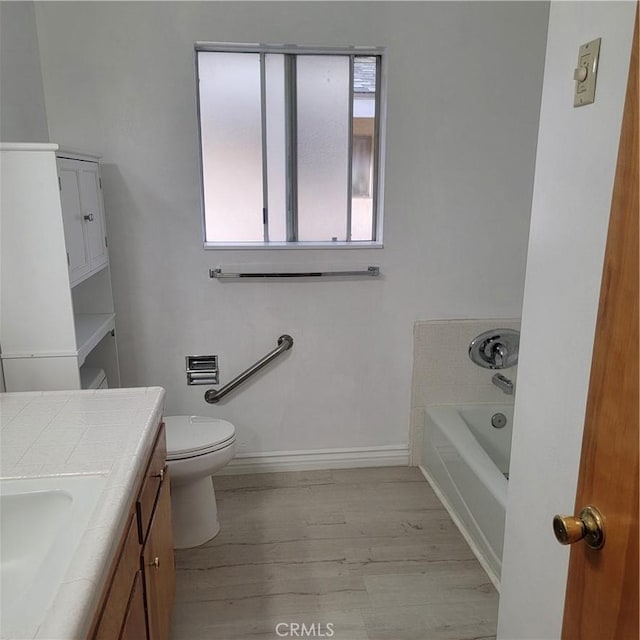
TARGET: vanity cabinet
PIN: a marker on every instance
(57, 321)
(140, 586)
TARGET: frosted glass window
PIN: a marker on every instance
(289, 145)
(361, 166)
(363, 147)
(323, 147)
(361, 188)
(231, 130)
(276, 147)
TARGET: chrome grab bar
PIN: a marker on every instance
(212, 396)
(218, 274)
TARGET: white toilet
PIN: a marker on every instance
(197, 447)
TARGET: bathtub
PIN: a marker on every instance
(466, 461)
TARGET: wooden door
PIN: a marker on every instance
(602, 588)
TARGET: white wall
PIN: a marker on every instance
(23, 117)
(22, 112)
(464, 87)
(575, 166)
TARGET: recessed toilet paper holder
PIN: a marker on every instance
(202, 370)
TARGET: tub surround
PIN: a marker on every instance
(60, 433)
(443, 373)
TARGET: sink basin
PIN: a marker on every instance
(41, 523)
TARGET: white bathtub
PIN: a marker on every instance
(466, 461)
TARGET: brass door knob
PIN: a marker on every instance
(155, 563)
(588, 526)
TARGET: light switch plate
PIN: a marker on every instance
(585, 91)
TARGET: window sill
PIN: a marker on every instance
(291, 245)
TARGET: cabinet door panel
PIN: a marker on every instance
(93, 215)
(159, 567)
(118, 598)
(135, 622)
(151, 484)
(78, 257)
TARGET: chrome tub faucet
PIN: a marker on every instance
(503, 383)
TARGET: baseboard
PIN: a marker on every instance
(463, 529)
(318, 459)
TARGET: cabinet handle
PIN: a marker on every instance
(160, 475)
(155, 563)
(89, 217)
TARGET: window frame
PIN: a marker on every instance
(379, 142)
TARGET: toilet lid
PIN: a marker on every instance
(196, 435)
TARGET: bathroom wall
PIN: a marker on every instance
(443, 373)
(463, 103)
(23, 116)
(577, 150)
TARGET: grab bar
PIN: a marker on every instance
(212, 396)
(220, 275)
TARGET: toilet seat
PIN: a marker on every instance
(192, 436)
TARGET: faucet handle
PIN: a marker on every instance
(495, 349)
(499, 354)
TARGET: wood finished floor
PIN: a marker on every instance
(371, 551)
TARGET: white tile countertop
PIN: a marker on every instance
(62, 433)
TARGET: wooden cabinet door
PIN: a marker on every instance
(77, 254)
(159, 567)
(93, 214)
(119, 595)
(135, 623)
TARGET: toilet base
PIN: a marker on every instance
(194, 513)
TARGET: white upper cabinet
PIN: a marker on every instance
(93, 214)
(57, 318)
(83, 217)
(77, 255)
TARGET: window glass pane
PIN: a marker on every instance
(276, 151)
(364, 113)
(362, 166)
(322, 85)
(230, 114)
